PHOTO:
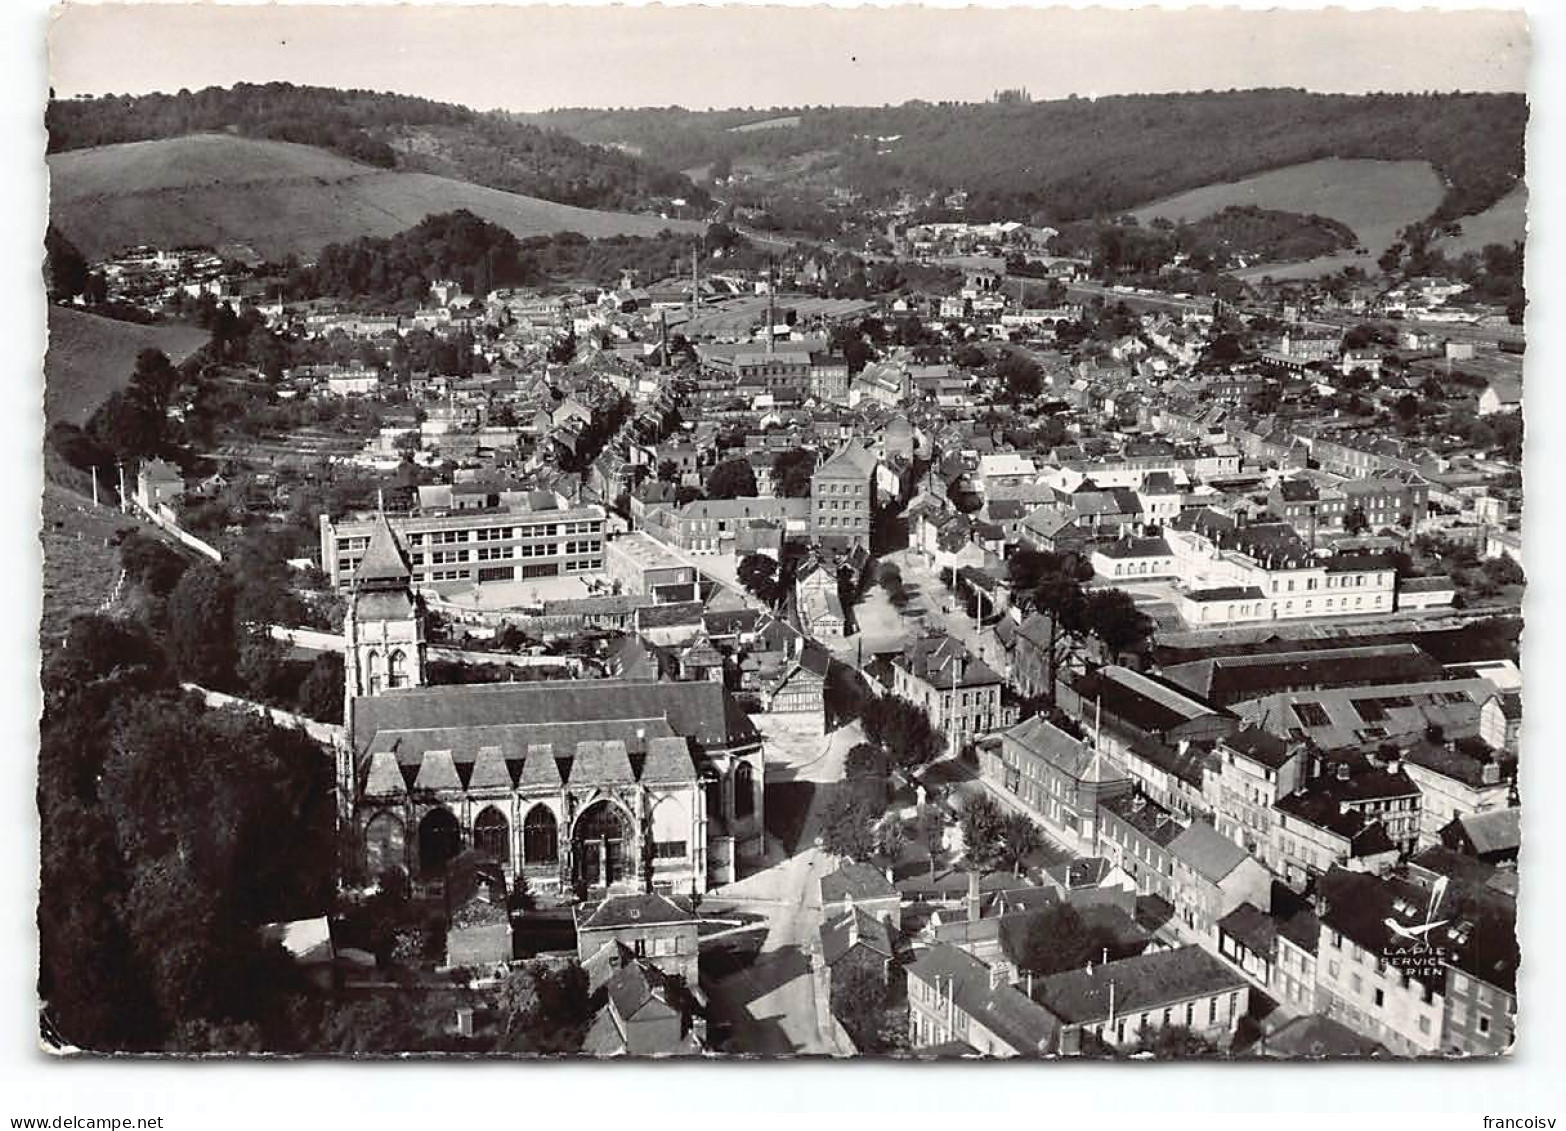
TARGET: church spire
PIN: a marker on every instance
(384, 564)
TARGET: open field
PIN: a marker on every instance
(90, 357)
(80, 567)
(1374, 198)
(1504, 222)
(278, 198)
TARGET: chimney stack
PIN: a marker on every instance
(974, 907)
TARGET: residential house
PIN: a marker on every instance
(960, 1005)
(1116, 1004)
(1212, 876)
(646, 1012)
(658, 929)
(1253, 769)
(1501, 395)
(1379, 980)
(1058, 779)
(961, 694)
(854, 885)
(841, 501)
(1457, 778)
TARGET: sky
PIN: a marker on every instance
(529, 59)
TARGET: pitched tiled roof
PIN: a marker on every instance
(437, 771)
(1207, 852)
(1145, 982)
(668, 760)
(600, 763)
(1024, 1025)
(859, 881)
(855, 927)
(643, 909)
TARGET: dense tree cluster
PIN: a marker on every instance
(161, 857)
(385, 130)
(456, 245)
(1077, 157)
(1057, 939)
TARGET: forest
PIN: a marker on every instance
(385, 130)
(1213, 243)
(1077, 158)
(482, 256)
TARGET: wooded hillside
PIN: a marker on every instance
(1076, 158)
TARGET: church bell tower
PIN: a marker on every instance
(383, 639)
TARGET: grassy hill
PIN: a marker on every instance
(1504, 222)
(278, 198)
(1376, 199)
(90, 356)
(80, 563)
(390, 131)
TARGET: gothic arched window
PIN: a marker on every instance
(540, 839)
(397, 669)
(373, 675)
(744, 790)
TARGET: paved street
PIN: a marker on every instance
(771, 1005)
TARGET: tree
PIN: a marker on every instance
(860, 1002)
(890, 578)
(758, 573)
(1356, 521)
(732, 479)
(846, 821)
(1021, 839)
(865, 762)
(1021, 376)
(668, 471)
(791, 472)
(904, 731)
(65, 268)
(890, 837)
(1056, 939)
(201, 627)
(152, 563)
(1112, 616)
(1051, 584)
(983, 833)
(546, 1010)
(320, 694)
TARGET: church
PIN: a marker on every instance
(586, 786)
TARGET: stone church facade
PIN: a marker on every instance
(586, 786)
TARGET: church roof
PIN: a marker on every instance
(385, 777)
(383, 559)
(668, 760)
(601, 763)
(489, 770)
(701, 710)
(540, 767)
(437, 771)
